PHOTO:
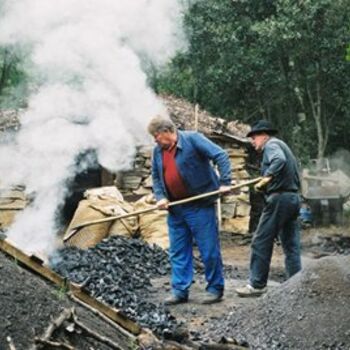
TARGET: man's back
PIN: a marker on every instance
(280, 162)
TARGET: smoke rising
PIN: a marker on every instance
(88, 91)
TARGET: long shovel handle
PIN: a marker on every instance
(153, 208)
(213, 193)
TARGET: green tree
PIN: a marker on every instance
(281, 60)
(11, 77)
(309, 38)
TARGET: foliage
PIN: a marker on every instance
(280, 60)
(12, 79)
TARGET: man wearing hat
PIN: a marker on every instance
(280, 185)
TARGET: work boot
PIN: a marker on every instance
(174, 300)
(212, 298)
(250, 291)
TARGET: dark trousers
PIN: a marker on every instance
(278, 219)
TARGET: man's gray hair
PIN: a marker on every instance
(160, 124)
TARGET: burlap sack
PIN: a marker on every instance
(106, 192)
(153, 225)
(122, 227)
(11, 203)
(87, 236)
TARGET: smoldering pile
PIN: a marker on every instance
(118, 271)
(309, 311)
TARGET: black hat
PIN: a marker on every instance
(262, 126)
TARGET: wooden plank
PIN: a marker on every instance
(112, 313)
(31, 262)
(36, 264)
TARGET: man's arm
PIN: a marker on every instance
(215, 153)
(158, 189)
(275, 157)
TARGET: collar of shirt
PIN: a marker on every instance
(171, 149)
(179, 140)
(269, 139)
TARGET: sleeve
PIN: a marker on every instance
(215, 153)
(158, 188)
(275, 158)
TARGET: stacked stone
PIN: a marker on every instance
(138, 180)
(235, 208)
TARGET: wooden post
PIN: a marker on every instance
(218, 208)
(196, 110)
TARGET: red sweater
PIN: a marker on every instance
(172, 178)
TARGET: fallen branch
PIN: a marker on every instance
(11, 343)
(171, 344)
(105, 318)
(55, 344)
(65, 315)
(95, 335)
(215, 346)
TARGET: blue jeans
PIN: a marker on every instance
(186, 223)
(279, 218)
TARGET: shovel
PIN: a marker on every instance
(76, 228)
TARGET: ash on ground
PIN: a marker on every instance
(29, 305)
(309, 311)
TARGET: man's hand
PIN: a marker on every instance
(163, 204)
(259, 187)
(224, 189)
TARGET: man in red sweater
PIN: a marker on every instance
(181, 168)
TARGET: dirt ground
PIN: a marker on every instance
(28, 304)
(235, 249)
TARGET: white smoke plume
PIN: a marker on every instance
(89, 91)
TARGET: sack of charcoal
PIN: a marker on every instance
(99, 204)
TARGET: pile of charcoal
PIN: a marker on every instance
(337, 244)
(331, 245)
(118, 271)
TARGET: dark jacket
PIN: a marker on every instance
(279, 161)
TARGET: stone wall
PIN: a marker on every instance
(235, 208)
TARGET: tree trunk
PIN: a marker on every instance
(316, 110)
